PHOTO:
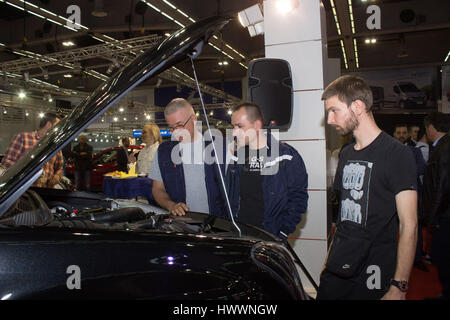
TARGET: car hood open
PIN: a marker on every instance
(181, 44)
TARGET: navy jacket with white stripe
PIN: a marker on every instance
(284, 192)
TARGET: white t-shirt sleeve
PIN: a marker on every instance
(155, 172)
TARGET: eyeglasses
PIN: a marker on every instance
(180, 126)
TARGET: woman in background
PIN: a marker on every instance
(152, 138)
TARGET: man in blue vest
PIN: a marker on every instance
(182, 180)
(267, 179)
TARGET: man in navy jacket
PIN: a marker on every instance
(266, 179)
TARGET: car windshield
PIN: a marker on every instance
(408, 87)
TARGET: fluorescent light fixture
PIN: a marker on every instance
(243, 19)
(343, 54)
(67, 75)
(68, 43)
(333, 8)
(448, 55)
(169, 4)
(355, 47)
(251, 31)
(259, 27)
(251, 15)
(350, 9)
(252, 18)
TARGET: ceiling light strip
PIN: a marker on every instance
(343, 53)
(448, 55)
(47, 12)
(169, 4)
(355, 47)
(192, 20)
(333, 8)
(352, 21)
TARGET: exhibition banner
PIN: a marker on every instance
(400, 89)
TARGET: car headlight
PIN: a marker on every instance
(276, 259)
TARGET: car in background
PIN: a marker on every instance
(378, 97)
(103, 162)
(62, 244)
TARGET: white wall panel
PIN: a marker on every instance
(305, 59)
(314, 156)
(307, 118)
(300, 25)
(312, 226)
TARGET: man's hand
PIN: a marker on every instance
(178, 209)
(394, 294)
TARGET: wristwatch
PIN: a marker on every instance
(401, 285)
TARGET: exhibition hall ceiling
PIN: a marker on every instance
(407, 33)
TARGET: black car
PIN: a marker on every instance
(59, 244)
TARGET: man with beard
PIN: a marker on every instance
(375, 187)
(401, 133)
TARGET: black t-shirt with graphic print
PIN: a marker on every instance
(251, 207)
(368, 181)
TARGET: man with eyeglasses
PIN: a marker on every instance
(182, 181)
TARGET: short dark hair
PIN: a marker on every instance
(439, 121)
(348, 89)
(411, 126)
(253, 111)
(401, 125)
(421, 133)
(49, 116)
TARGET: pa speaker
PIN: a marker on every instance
(270, 87)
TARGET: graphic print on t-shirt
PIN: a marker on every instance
(256, 163)
(355, 191)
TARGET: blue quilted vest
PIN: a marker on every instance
(173, 179)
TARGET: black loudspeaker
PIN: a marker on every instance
(270, 87)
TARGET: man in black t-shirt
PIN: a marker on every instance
(267, 180)
(377, 193)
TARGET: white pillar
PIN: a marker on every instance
(300, 38)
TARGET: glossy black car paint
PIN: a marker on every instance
(192, 257)
(141, 255)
